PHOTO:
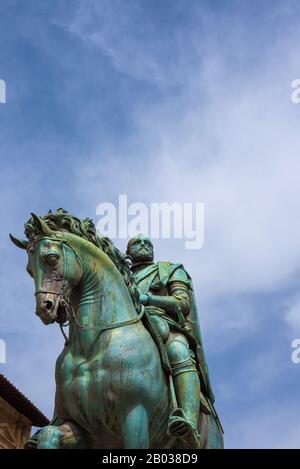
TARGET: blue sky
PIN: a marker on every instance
(173, 101)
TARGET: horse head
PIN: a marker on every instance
(55, 268)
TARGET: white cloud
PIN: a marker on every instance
(228, 138)
(109, 26)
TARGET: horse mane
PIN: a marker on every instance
(61, 220)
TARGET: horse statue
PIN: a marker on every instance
(111, 388)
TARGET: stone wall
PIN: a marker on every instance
(15, 428)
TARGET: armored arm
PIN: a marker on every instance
(177, 304)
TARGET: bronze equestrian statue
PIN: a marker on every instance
(132, 372)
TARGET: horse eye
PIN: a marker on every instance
(51, 259)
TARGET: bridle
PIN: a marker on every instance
(65, 301)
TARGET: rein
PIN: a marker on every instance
(65, 302)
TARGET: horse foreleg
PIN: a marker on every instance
(135, 428)
(65, 436)
(49, 437)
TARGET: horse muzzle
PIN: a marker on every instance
(47, 307)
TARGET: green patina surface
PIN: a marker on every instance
(112, 390)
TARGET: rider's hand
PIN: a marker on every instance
(144, 299)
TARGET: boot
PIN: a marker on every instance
(180, 427)
(183, 421)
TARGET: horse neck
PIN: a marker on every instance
(103, 298)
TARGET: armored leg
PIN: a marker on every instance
(184, 421)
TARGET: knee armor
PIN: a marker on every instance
(180, 356)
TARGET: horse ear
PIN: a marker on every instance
(41, 225)
(20, 243)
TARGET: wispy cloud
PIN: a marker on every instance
(226, 138)
(267, 426)
(136, 45)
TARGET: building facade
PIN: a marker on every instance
(17, 416)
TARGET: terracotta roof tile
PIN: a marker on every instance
(23, 405)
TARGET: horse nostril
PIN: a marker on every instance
(48, 304)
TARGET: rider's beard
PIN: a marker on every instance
(143, 255)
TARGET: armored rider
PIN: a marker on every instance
(166, 291)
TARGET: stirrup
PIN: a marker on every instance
(180, 427)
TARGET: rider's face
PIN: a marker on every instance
(140, 249)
